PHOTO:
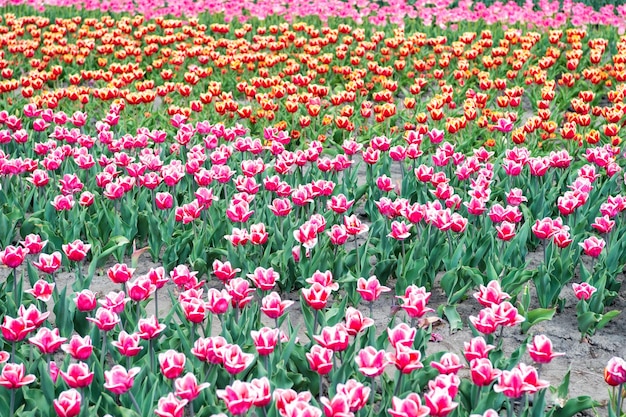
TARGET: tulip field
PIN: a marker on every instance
(303, 209)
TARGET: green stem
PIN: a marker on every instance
(619, 400)
(132, 398)
(12, 406)
(104, 349)
(396, 391)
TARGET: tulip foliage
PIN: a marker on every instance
(269, 166)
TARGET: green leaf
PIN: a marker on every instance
(573, 406)
(537, 316)
(453, 317)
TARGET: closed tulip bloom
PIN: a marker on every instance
(140, 289)
(172, 363)
(127, 344)
(209, 349)
(272, 305)
(357, 394)
(338, 234)
(356, 322)
(370, 289)
(194, 310)
(78, 347)
(482, 372)
(414, 301)
(85, 301)
(615, 372)
(68, 403)
(476, 348)
(400, 230)
(76, 251)
(13, 376)
(338, 406)
(486, 322)
(238, 397)
(371, 362)
(540, 349)
(411, 406)
(240, 291)
(77, 375)
(170, 406)
(120, 273)
(320, 359)
(506, 231)
(218, 302)
(265, 340)
(402, 334)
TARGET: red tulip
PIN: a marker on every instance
(187, 387)
(448, 364)
(13, 376)
(170, 406)
(120, 273)
(592, 246)
(119, 380)
(491, 294)
(77, 375)
(477, 348)
(507, 315)
(33, 243)
(263, 395)
(615, 372)
(68, 403)
(414, 301)
(439, 402)
(320, 359)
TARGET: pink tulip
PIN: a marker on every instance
(411, 406)
(584, 290)
(78, 347)
(187, 387)
(540, 349)
(615, 372)
(238, 397)
(42, 290)
(77, 375)
(371, 362)
(592, 246)
(320, 359)
(68, 403)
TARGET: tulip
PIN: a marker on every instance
(615, 372)
(439, 402)
(235, 360)
(68, 403)
(411, 406)
(264, 279)
(482, 372)
(335, 338)
(42, 290)
(272, 305)
(119, 380)
(491, 294)
(592, 246)
(76, 251)
(47, 341)
(85, 301)
(371, 362)
(448, 364)
(48, 264)
(414, 301)
(265, 340)
(172, 363)
(127, 344)
(320, 359)
(170, 406)
(77, 375)
(187, 387)
(583, 291)
(355, 322)
(540, 349)
(238, 397)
